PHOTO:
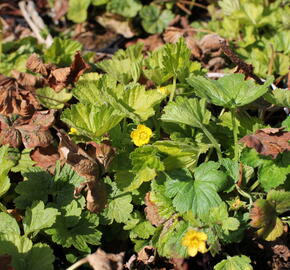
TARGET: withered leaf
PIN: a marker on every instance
(14, 99)
(58, 78)
(147, 255)
(27, 80)
(35, 64)
(31, 132)
(105, 261)
(102, 152)
(268, 141)
(87, 167)
(151, 211)
(45, 157)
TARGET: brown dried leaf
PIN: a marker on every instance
(9, 135)
(78, 67)
(105, 261)
(5, 261)
(58, 78)
(192, 44)
(35, 64)
(282, 251)
(36, 132)
(45, 157)
(60, 8)
(151, 43)
(147, 255)
(211, 43)
(151, 211)
(172, 34)
(117, 24)
(87, 167)
(269, 141)
(14, 99)
(27, 80)
(102, 152)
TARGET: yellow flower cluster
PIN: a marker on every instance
(195, 242)
(141, 135)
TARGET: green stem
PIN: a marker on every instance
(235, 133)
(173, 90)
(213, 141)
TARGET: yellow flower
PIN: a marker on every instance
(73, 131)
(163, 90)
(141, 135)
(195, 242)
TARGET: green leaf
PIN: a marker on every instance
(77, 11)
(279, 97)
(119, 209)
(267, 167)
(146, 163)
(198, 195)
(26, 256)
(40, 254)
(234, 263)
(90, 120)
(37, 217)
(61, 51)
(191, 112)
(6, 165)
(281, 200)
(51, 99)
(142, 230)
(35, 188)
(153, 20)
(229, 91)
(8, 224)
(286, 123)
(25, 162)
(83, 233)
(163, 203)
(178, 154)
(126, 8)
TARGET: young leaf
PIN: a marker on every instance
(279, 97)
(229, 91)
(51, 99)
(62, 51)
(77, 11)
(146, 163)
(91, 121)
(234, 263)
(191, 112)
(37, 217)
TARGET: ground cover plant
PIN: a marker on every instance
(172, 158)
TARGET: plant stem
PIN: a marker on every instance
(213, 141)
(78, 263)
(235, 133)
(173, 90)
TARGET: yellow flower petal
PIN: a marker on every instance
(202, 247)
(73, 131)
(192, 251)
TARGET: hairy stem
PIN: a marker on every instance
(235, 133)
(213, 141)
(173, 90)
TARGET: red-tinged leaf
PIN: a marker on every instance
(78, 67)
(45, 157)
(151, 211)
(5, 262)
(268, 141)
